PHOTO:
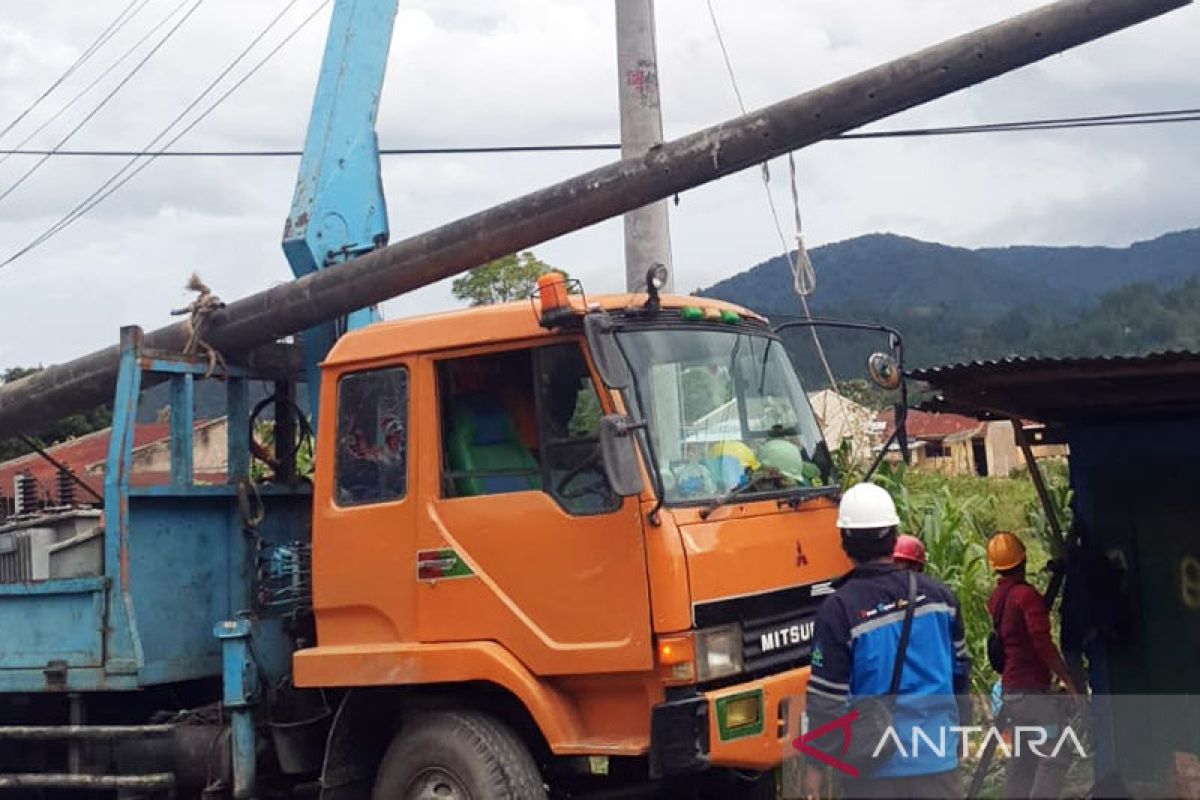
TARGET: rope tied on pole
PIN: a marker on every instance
(200, 312)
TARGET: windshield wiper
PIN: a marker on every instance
(738, 491)
(762, 373)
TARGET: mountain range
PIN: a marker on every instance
(884, 273)
(956, 303)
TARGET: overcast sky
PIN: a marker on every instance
(467, 72)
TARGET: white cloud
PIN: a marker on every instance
(536, 71)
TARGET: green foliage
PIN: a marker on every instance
(954, 304)
(585, 420)
(847, 469)
(512, 277)
(1132, 320)
(264, 434)
(704, 389)
(865, 393)
(954, 517)
(59, 431)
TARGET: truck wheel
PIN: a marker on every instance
(457, 755)
(729, 783)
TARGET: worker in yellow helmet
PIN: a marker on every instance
(1023, 652)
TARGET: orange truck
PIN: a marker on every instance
(566, 544)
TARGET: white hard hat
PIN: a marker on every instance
(866, 506)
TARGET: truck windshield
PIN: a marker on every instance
(725, 411)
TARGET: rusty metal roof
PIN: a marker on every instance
(1068, 389)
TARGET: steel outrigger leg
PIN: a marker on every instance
(239, 677)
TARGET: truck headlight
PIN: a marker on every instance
(699, 656)
(718, 652)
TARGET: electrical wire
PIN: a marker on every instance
(135, 157)
(393, 151)
(107, 98)
(801, 280)
(113, 28)
(108, 188)
(97, 80)
(149, 154)
(1065, 123)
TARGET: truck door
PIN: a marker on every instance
(524, 542)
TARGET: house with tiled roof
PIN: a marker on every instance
(958, 445)
(85, 456)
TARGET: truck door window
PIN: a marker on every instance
(371, 462)
(489, 425)
(523, 420)
(569, 413)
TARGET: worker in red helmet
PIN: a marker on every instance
(909, 553)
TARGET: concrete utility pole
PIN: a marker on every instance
(647, 231)
(31, 403)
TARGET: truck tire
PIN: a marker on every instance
(457, 755)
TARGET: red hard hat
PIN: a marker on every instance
(909, 548)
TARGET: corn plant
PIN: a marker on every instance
(954, 517)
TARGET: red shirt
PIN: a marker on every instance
(1029, 651)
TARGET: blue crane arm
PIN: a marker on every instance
(338, 210)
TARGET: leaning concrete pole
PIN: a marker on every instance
(647, 232)
(600, 194)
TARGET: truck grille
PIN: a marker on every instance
(777, 626)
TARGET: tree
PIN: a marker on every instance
(512, 277)
(59, 431)
(865, 394)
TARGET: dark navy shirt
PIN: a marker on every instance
(855, 643)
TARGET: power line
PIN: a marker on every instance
(1064, 123)
(108, 188)
(135, 157)
(107, 98)
(396, 151)
(104, 74)
(113, 27)
(803, 274)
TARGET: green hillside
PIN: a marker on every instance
(957, 304)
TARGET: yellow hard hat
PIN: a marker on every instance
(734, 449)
(1005, 551)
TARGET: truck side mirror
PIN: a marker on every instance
(619, 451)
(884, 370)
(599, 330)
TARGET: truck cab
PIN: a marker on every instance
(604, 524)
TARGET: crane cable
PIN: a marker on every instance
(124, 175)
(107, 98)
(113, 28)
(803, 275)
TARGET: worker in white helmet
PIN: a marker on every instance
(886, 632)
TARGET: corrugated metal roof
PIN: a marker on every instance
(922, 425)
(1068, 389)
(1032, 363)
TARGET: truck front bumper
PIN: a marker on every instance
(748, 725)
